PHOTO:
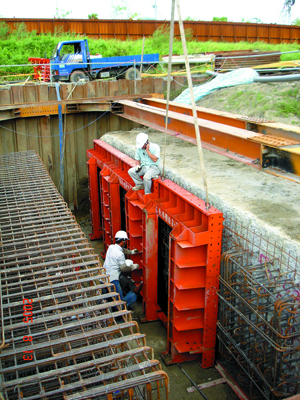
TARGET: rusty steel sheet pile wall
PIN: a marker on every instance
(60, 338)
(179, 244)
(259, 314)
(23, 129)
(219, 31)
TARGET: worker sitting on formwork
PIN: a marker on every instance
(115, 262)
(147, 158)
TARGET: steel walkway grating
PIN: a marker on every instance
(59, 312)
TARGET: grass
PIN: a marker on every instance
(17, 46)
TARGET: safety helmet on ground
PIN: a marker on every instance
(120, 236)
(141, 139)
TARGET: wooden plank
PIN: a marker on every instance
(78, 92)
(90, 120)
(241, 395)
(101, 88)
(70, 164)
(17, 94)
(206, 385)
(5, 95)
(66, 89)
(123, 87)
(42, 92)
(7, 137)
(21, 138)
(113, 88)
(158, 85)
(147, 85)
(30, 93)
(55, 149)
(81, 144)
(46, 147)
(32, 127)
(52, 92)
(90, 89)
(114, 122)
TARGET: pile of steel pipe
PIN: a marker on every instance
(259, 321)
(65, 332)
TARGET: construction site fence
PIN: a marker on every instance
(40, 132)
(218, 31)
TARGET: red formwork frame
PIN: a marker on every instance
(194, 252)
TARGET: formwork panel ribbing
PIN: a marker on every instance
(173, 227)
(60, 338)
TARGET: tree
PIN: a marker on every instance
(220, 19)
(123, 11)
(296, 21)
(93, 16)
(60, 13)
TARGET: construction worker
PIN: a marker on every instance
(147, 158)
(129, 289)
(115, 260)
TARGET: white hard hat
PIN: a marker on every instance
(141, 139)
(128, 263)
(121, 235)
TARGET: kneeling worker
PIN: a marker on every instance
(147, 158)
(115, 260)
(129, 289)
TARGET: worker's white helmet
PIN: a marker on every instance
(121, 235)
(141, 139)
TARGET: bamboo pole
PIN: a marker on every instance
(189, 78)
(169, 79)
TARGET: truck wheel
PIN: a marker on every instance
(77, 75)
(132, 73)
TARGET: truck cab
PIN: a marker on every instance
(69, 57)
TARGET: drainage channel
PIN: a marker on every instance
(65, 333)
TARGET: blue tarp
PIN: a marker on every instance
(233, 78)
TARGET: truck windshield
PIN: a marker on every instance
(53, 55)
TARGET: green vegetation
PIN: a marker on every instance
(93, 16)
(296, 21)
(290, 105)
(60, 13)
(225, 19)
(17, 46)
(275, 101)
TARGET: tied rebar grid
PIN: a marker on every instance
(60, 338)
(259, 313)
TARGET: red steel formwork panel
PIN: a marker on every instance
(194, 247)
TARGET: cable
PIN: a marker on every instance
(67, 133)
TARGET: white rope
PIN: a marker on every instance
(197, 129)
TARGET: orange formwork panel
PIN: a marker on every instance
(179, 243)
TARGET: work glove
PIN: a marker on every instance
(138, 169)
(134, 251)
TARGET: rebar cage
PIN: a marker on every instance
(65, 332)
(259, 313)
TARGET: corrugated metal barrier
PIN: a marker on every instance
(218, 31)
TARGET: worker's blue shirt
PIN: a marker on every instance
(142, 156)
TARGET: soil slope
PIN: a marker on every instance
(278, 102)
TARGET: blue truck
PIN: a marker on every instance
(71, 61)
